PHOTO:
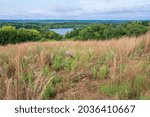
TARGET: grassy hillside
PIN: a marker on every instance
(115, 69)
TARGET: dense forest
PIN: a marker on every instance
(15, 32)
(109, 31)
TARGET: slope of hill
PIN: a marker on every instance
(115, 69)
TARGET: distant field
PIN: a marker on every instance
(115, 69)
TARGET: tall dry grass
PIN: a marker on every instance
(33, 70)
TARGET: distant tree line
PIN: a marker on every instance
(13, 34)
(43, 26)
(108, 31)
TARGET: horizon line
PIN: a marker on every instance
(81, 19)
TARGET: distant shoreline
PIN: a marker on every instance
(67, 21)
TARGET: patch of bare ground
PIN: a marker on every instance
(83, 87)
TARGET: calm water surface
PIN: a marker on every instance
(62, 31)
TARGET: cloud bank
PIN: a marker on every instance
(75, 9)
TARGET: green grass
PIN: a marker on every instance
(45, 71)
(142, 97)
(138, 50)
(115, 89)
(48, 92)
(106, 57)
(93, 71)
(132, 89)
(58, 62)
(99, 72)
(56, 80)
(103, 72)
(139, 85)
(61, 62)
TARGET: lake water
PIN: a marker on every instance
(62, 31)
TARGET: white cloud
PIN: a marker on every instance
(76, 9)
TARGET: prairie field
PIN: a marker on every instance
(76, 70)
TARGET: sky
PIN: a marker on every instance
(75, 9)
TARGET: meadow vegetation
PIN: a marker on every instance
(110, 69)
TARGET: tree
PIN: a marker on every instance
(7, 34)
(135, 29)
(53, 35)
(11, 35)
(73, 34)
